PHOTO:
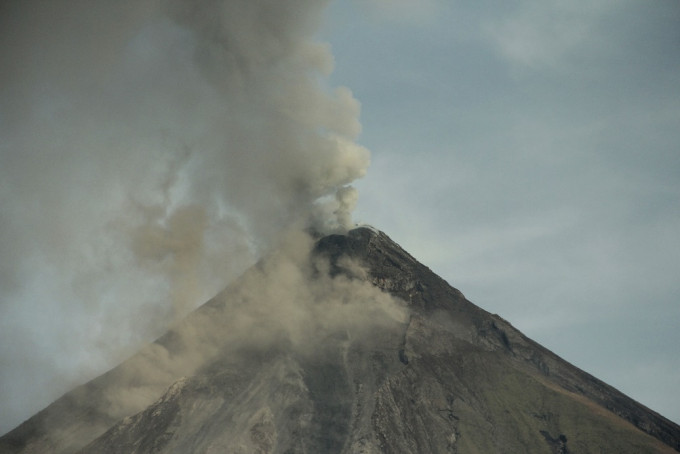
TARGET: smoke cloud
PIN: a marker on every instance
(288, 300)
(150, 152)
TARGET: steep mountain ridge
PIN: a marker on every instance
(424, 372)
(394, 270)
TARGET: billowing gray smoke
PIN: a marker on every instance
(150, 150)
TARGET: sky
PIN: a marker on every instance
(529, 153)
(150, 151)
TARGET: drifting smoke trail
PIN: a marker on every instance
(151, 150)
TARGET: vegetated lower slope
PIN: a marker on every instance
(436, 375)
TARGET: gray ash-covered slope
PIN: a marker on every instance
(429, 373)
(500, 391)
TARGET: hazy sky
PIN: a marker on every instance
(529, 153)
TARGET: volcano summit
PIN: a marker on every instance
(344, 344)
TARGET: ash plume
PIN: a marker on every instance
(150, 152)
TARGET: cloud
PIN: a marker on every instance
(539, 35)
(151, 152)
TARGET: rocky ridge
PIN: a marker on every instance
(432, 373)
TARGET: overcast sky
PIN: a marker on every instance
(529, 153)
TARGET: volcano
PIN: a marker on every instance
(350, 346)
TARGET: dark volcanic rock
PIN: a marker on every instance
(430, 297)
(439, 375)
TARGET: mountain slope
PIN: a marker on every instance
(354, 347)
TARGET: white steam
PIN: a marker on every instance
(149, 152)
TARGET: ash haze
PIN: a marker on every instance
(528, 152)
(151, 151)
